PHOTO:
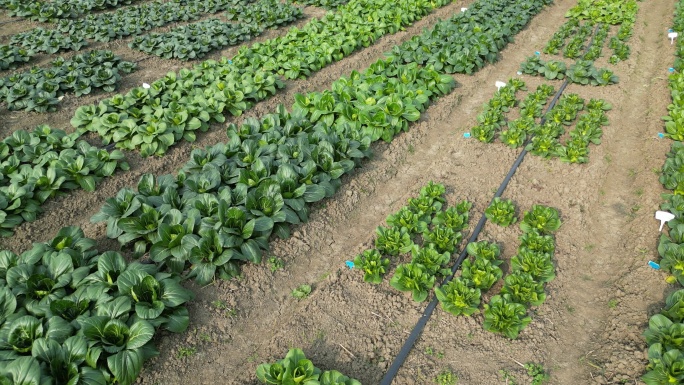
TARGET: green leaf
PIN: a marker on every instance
(125, 366)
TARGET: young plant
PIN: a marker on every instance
(444, 239)
(372, 264)
(504, 316)
(414, 278)
(459, 297)
(432, 260)
(541, 218)
(501, 212)
(524, 289)
(537, 243)
(393, 241)
(485, 250)
(453, 218)
(407, 220)
(482, 273)
(538, 265)
(301, 291)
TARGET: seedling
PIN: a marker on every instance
(301, 292)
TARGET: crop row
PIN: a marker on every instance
(72, 315)
(72, 34)
(41, 89)
(36, 166)
(543, 139)
(202, 94)
(195, 40)
(665, 330)
(423, 221)
(327, 4)
(581, 72)
(49, 11)
(531, 268)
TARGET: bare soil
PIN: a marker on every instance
(587, 332)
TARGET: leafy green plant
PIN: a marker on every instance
(537, 372)
(301, 291)
(459, 297)
(663, 331)
(537, 243)
(407, 220)
(414, 278)
(446, 378)
(501, 212)
(431, 259)
(485, 250)
(455, 217)
(524, 289)
(542, 218)
(481, 272)
(504, 316)
(372, 264)
(674, 306)
(444, 239)
(393, 241)
(664, 366)
(295, 368)
(539, 266)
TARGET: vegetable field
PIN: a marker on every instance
(286, 192)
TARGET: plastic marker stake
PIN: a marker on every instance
(663, 216)
(654, 265)
(670, 30)
(146, 86)
(672, 36)
(537, 53)
(661, 135)
(466, 135)
(519, 73)
(499, 84)
(464, 9)
(671, 70)
(349, 264)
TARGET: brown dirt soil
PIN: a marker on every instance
(587, 332)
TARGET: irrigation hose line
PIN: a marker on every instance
(420, 325)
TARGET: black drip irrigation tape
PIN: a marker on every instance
(427, 313)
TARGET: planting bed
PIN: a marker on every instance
(587, 331)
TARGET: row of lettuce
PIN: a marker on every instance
(41, 89)
(543, 138)
(221, 208)
(431, 234)
(664, 333)
(171, 109)
(72, 34)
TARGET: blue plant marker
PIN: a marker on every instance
(349, 264)
(230, 61)
(670, 30)
(671, 70)
(537, 53)
(654, 265)
(466, 135)
(661, 135)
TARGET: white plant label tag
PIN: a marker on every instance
(672, 36)
(146, 86)
(499, 84)
(663, 217)
(464, 9)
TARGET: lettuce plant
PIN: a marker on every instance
(407, 220)
(537, 243)
(524, 289)
(393, 241)
(455, 217)
(414, 278)
(295, 368)
(504, 316)
(485, 250)
(432, 260)
(501, 212)
(482, 273)
(538, 265)
(442, 238)
(459, 297)
(372, 264)
(541, 218)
